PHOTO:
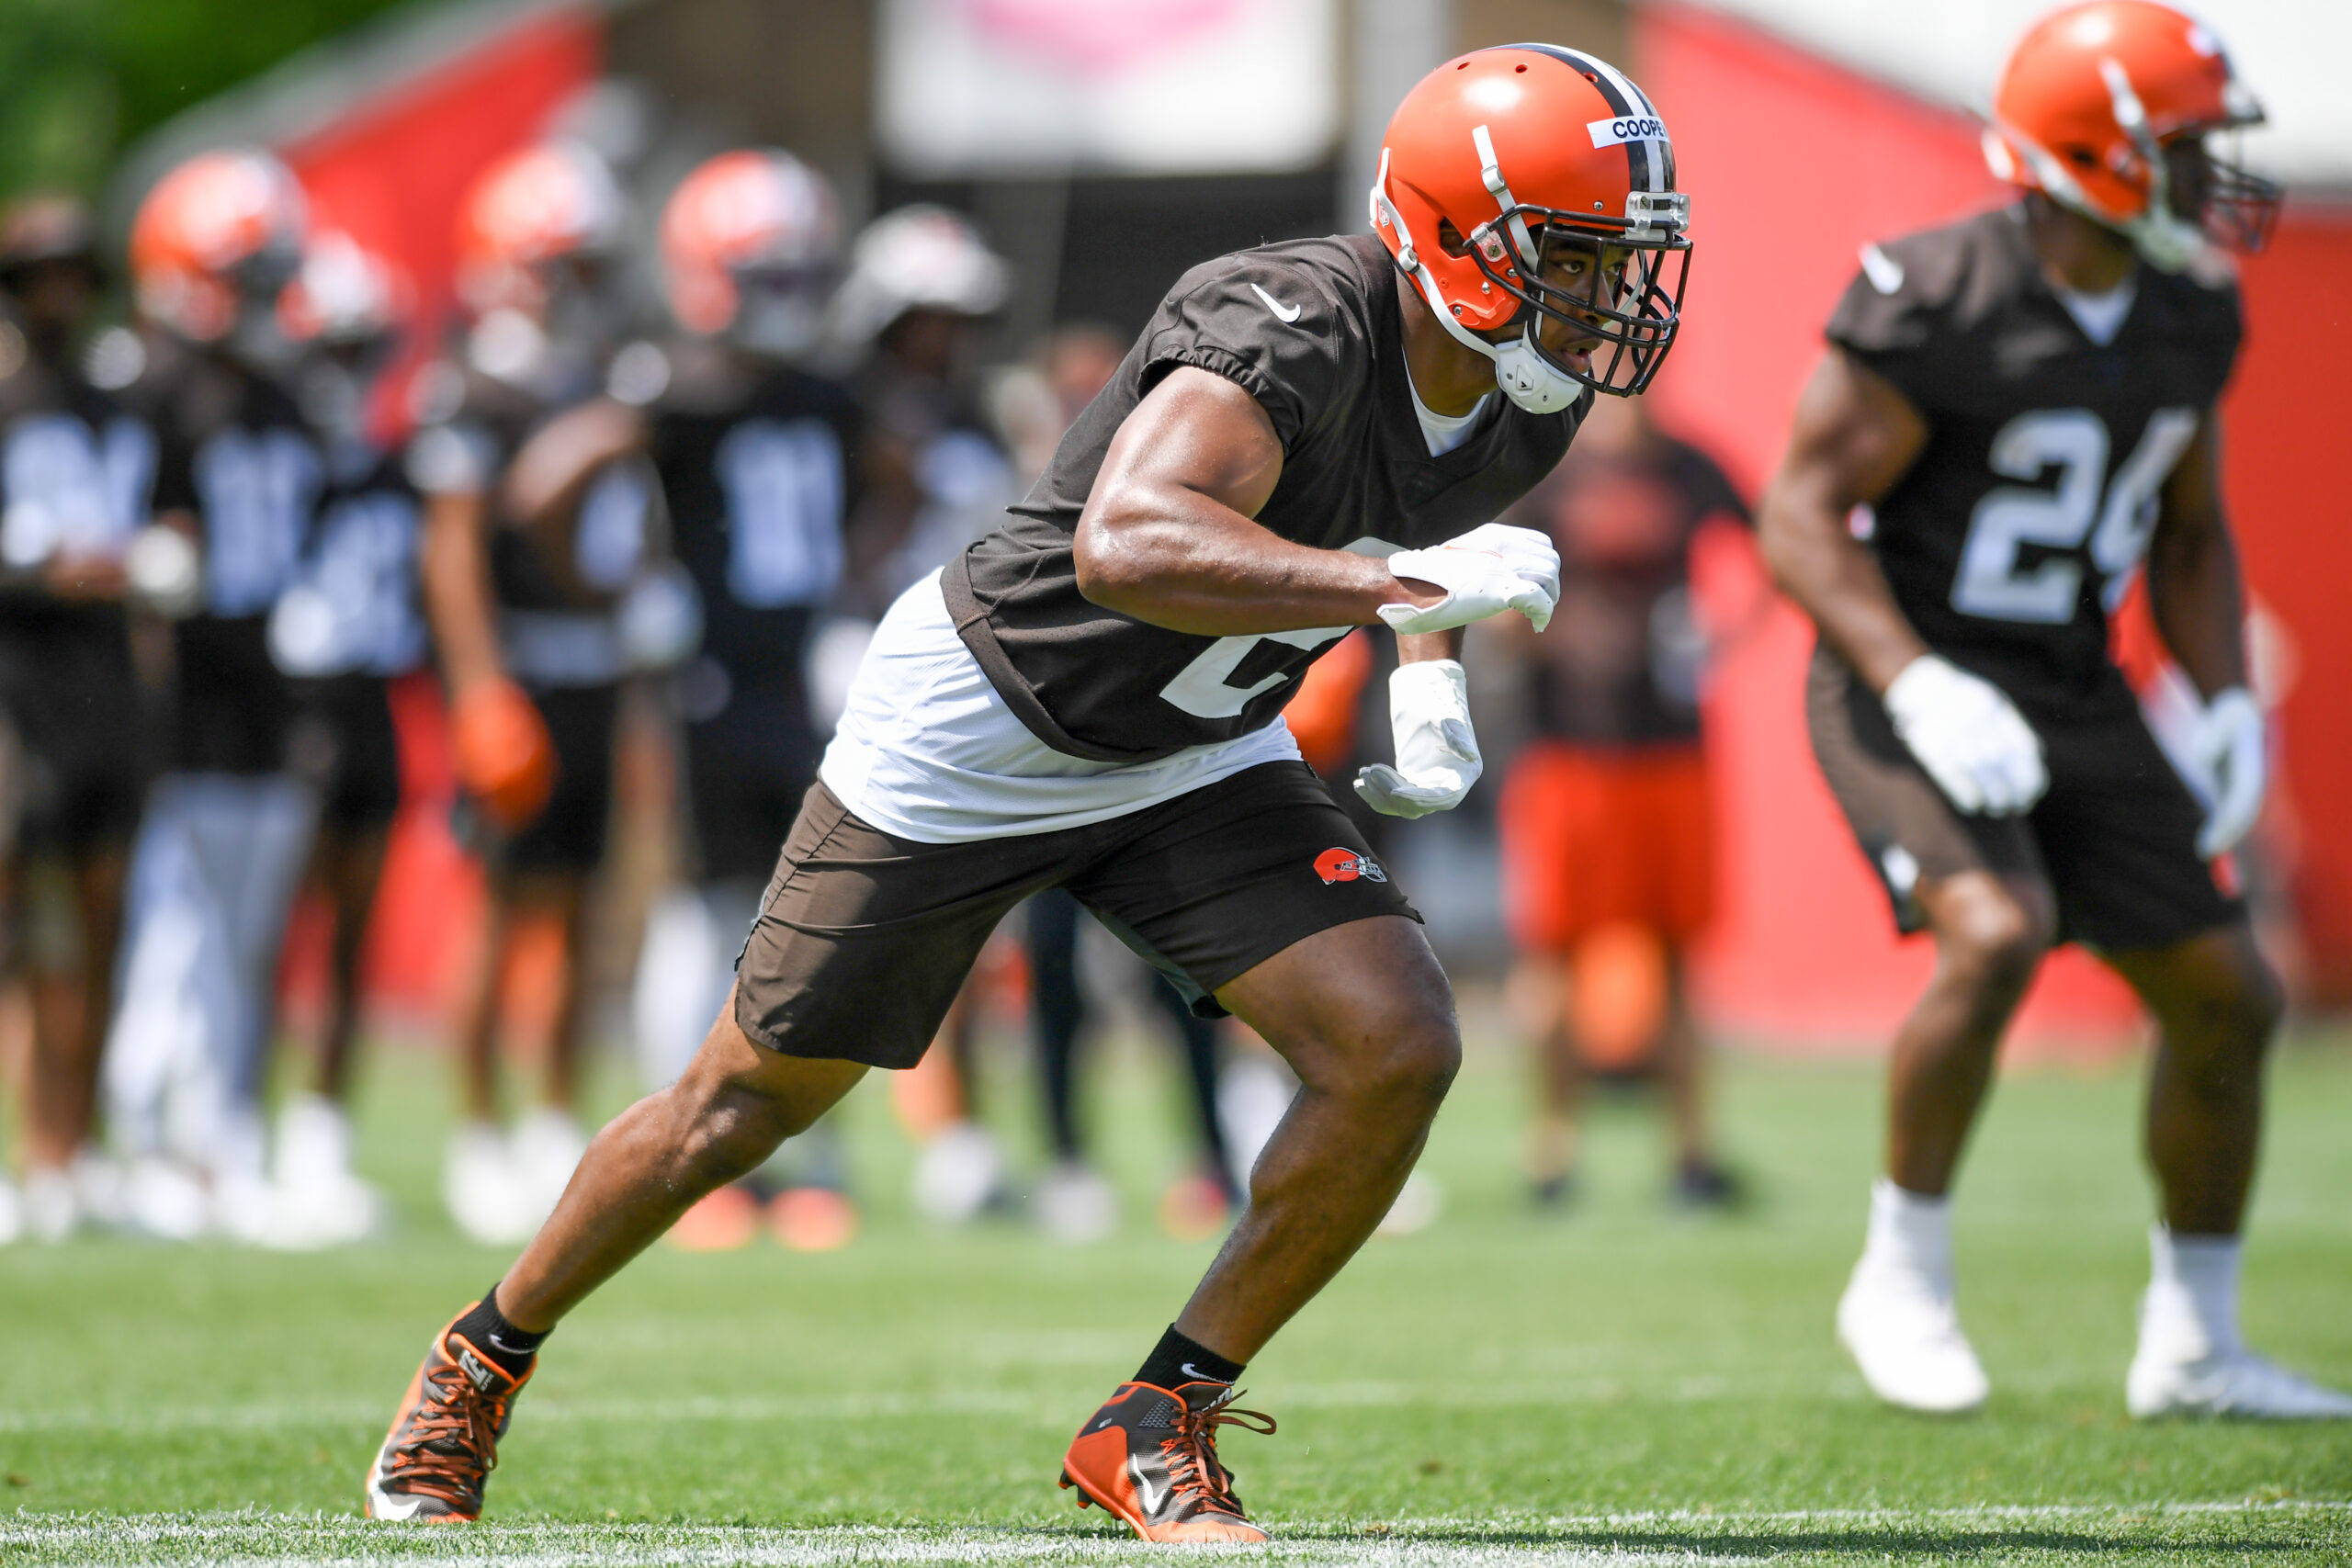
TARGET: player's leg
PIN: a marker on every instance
(860, 946)
(1363, 1015)
(2216, 1005)
(1258, 892)
(1700, 1180)
(724, 1116)
(1978, 886)
(1990, 933)
(1539, 986)
(1544, 816)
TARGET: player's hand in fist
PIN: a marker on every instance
(503, 756)
(2230, 742)
(1491, 569)
(1437, 755)
(1968, 736)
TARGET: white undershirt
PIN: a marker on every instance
(2101, 315)
(1442, 432)
(926, 749)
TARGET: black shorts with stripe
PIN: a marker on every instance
(863, 938)
(2115, 836)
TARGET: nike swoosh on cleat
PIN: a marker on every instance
(1284, 314)
(1150, 1503)
(380, 1505)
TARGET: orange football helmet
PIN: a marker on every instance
(1504, 165)
(550, 203)
(2105, 107)
(215, 241)
(750, 245)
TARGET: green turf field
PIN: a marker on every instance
(1507, 1386)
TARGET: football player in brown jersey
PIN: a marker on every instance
(1307, 437)
(2023, 406)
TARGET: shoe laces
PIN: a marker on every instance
(451, 1443)
(1195, 1474)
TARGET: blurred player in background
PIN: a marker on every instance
(238, 481)
(1307, 436)
(2025, 401)
(1606, 820)
(755, 457)
(536, 526)
(349, 622)
(922, 284)
(76, 472)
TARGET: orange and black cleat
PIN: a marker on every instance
(1150, 1456)
(444, 1443)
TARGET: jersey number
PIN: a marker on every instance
(2075, 441)
(1204, 688)
(257, 489)
(784, 512)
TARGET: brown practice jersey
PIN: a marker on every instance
(2025, 517)
(1312, 329)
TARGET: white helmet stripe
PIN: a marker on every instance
(1635, 96)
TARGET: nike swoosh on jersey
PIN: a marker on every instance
(1885, 272)
(1284, 314)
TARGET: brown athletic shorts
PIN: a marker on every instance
(2115, 836)
(862, 939)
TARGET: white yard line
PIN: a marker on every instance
(257, 1540)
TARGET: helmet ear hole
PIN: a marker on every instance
(1450, 240)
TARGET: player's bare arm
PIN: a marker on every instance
(1853, 437)
(454, 565)
(2194, 588)
(1168, 537)
(552, 471)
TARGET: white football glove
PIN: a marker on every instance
(1436, 756)
(2230, 740)
(1491, 569)
(1968, 736)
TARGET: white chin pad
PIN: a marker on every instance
(1533, 382)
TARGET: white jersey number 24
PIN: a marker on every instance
(2074, 441)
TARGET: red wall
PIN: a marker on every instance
(1793, 164)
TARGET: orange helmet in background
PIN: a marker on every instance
(1497, 163)
(751, 242)
(2105, 106)
(215, 241)
(554, 202)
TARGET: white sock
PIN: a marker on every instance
(1909, 1230)
(2192, 1291)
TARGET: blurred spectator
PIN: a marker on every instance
(921, 282)
(237, 479)
(74, 472)
(542, 583)
(754, 454)
(348, 623)
(1606, 822)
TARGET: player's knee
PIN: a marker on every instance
(1996, 940)
(729, 1126)
(2240, 1011)
(1414, 1065)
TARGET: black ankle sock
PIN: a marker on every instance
(487, 1329)
(1177, 1360)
